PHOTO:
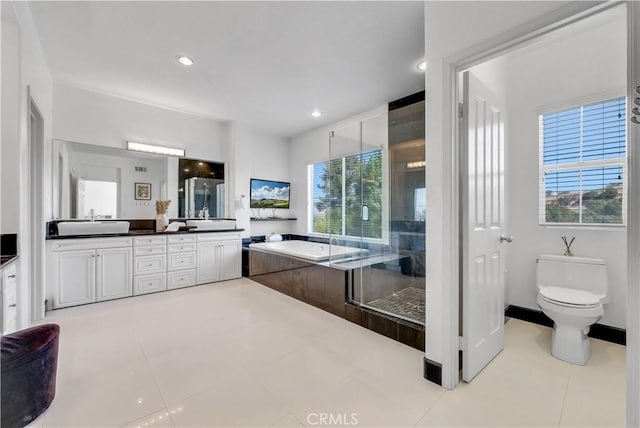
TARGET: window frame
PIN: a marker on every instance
(580, 165)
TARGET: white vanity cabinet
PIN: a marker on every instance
(88, 270)
(149, 264)
(219, 257)
(9, 309)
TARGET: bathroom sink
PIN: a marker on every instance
(212, 224)
(66, 228)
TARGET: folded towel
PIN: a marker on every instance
(274, 237)
(175, 226)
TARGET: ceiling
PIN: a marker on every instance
(266, 64)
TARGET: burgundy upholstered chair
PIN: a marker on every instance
(28, 382)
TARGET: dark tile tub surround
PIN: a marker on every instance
(324, 287)
(8, 247)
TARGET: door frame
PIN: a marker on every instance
(495, 47)
(35, 218)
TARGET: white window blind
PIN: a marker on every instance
(339, 189)
(583, 164)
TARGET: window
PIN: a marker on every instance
(583, 164)
(339, 189)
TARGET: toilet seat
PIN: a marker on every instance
(570, 297)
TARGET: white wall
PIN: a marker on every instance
(89, 117)
(24, 47)
(313, 146)
(588, 64)
(259, 155)
(10, 147)
(452, 29)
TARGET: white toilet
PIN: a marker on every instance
(571, 291)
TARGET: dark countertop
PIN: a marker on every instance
(5, 260)
(142, 233)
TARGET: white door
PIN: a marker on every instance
(114, 273)
(482, 218)
(230, 260)
(73, 277)
(208, 262)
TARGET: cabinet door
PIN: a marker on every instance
(114, 276)
(230, 260)
(9, 302)
(208, 266)
(73, 277)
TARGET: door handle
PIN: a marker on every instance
(504, 238)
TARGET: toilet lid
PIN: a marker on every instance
(569, 295)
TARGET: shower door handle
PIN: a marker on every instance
(365, 213)
(504, 238)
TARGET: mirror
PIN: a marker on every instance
(118, 183)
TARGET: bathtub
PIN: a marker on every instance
(308, 250)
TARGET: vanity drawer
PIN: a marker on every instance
(218, 236)
(87, 243)
(182, 278)
(180, 239)
(181, 261)
(149, 250)
(149, 240)
(144, 284)
(181, 248)
(149, 264)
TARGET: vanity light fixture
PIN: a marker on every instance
(185, 60)
(316, 113)
(158, 150)
(416, 164)
(422, 65)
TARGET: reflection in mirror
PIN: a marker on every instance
(99, 196)
(201, 189)
(98, 179)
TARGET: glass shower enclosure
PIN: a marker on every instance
(370, 196)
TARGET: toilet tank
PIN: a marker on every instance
(580, 273)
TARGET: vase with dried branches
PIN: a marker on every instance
(162, 220)
(567, 245)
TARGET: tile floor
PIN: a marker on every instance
(240, 354)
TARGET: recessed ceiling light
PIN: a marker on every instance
(316, 113)
(422, 65)
(184, 60)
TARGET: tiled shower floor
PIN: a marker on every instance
(407, 303)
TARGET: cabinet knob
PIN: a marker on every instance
(13, 305)
(11, 276)
(149, 265)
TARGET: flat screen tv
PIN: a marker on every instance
(269, 194)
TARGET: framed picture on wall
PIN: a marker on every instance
(142, 192)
